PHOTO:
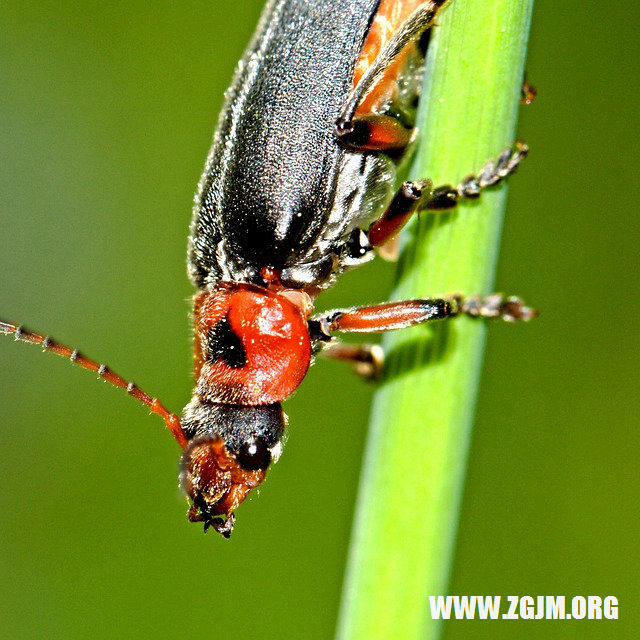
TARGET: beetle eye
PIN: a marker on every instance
(254, 454)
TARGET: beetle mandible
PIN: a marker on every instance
(297, 188)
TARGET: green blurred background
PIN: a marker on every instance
(107, 113)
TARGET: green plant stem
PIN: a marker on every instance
(413, 475)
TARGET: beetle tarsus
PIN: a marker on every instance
(508, 308)
(446, 197)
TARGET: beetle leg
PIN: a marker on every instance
(446, 196)
(399, 315)
(419, 195)
(404, 203)
(374, 132)
(367, 359)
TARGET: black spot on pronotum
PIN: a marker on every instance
(223, 344)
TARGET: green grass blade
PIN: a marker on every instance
(413, 475)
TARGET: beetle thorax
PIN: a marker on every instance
(252, 345)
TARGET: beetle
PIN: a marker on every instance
(299, 186)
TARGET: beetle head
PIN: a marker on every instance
(230, 449)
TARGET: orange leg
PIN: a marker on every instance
(415, 196)
(367, 359)
(373, 132)
(399, 315)
(396, 28)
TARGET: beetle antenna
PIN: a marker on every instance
(171, 420)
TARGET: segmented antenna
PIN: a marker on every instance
(171, 420)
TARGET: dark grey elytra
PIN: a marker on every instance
(278, 189)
